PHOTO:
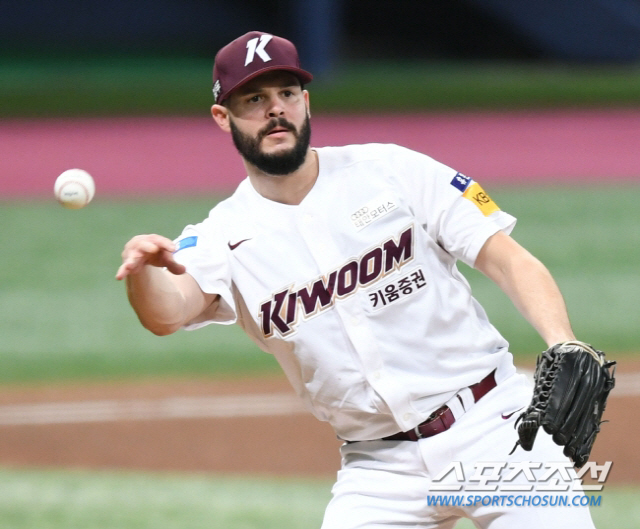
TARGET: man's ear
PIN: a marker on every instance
(221, 117)
(305, 93)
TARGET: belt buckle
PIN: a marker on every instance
(416, 430)
(435, 415)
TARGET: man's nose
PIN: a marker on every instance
(276, 108)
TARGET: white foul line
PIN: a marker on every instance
(255, 405)
(229, 406)
(627, 385)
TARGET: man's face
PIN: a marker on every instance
(269, 122)
(282, 161)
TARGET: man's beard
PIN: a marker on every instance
(274, 164)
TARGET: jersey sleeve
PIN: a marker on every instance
(206, 260)
(470, 221)
(453, 208)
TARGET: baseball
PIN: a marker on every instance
(74, 188)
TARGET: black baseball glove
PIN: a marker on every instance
(572, 383)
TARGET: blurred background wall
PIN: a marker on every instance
(329, 31)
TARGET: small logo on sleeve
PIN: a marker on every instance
(461, 182)
(476, 194)
(187, 242)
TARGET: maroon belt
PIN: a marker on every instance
(442, 419)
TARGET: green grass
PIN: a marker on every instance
(589, 238)
(182, 85)
(53, 499)
(64, 316)
(40, 499)
(462, 86)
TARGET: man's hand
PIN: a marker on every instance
(154, 250)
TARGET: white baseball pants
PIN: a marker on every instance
(393, 484)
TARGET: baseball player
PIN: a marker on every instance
(341, 262)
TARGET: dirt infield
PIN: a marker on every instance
(291, 443)
(284, 444)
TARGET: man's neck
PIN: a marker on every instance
(286, 189)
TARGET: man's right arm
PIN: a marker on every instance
(163, 296)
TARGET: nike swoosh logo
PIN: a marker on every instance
(234, 246)
(508, 416)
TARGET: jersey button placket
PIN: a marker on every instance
(329, 258)
(315, 236)
(363, 341)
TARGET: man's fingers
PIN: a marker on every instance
(130, 265)
(149, 247)
(122, 272)
(160, 242)
(154, 250)
(170, 264)
(176, 268)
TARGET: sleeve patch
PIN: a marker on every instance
(476, 194)
(461, 182)
(187, 242)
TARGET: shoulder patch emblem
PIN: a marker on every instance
(461, 182)
(187, 242)
(476, 194)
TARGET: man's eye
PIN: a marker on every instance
(254, 99)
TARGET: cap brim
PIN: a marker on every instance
(304, 76)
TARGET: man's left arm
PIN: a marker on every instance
(572, 379)
(529, 285)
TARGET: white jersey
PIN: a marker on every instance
(355, 290)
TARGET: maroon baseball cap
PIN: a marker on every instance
(251, 55)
